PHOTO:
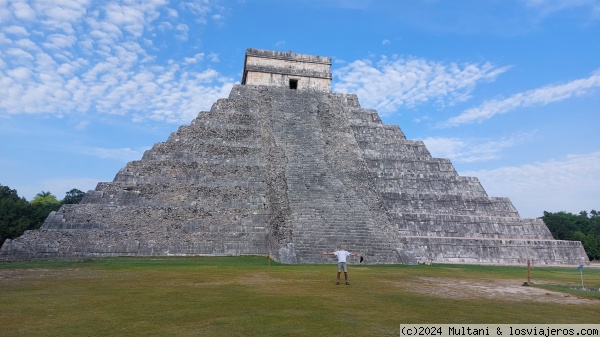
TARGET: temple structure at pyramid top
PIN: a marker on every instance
(287, 69)
(284, 167)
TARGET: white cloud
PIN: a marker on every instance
(182, 32)
(62, 10)
(129, 18)
(3, 40)
(26, 44)
(16, 30)
(56, 16)
(19, 55)
(570, 184)
(541, 96)
(200, 11)
(547, 7)
(213, 57)
(124, 154)
(82, 125)
(20, 74)
(60, 41)
(22, 11)
(422, 118)
(172, 13)
(471, 150)
(397, 82)
(96, 58)
(195, 59)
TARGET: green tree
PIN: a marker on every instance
(561, 224)
(16, 214)
(44, 198)
(595, 222)
(584, 227)
(74, 196)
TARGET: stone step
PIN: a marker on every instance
(448, 204)
(515, 251)
(380, 133)
(433, 183)
(208, 129)
(412, 165)
(201, 150)
(396, 151)
(192, 172)
(439, 225)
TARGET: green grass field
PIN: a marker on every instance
(244, 296)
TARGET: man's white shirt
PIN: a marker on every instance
(342, 255)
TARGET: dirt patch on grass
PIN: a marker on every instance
(509, 290)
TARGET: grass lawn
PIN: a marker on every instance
(244, 296)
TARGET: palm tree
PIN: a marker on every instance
(43, 194)
(44, 198)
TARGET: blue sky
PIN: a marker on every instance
(508, 90)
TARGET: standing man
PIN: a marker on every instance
(342, 256)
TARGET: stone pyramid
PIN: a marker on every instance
(285, 168)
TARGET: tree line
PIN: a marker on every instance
(18, 215)
(584, 227)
